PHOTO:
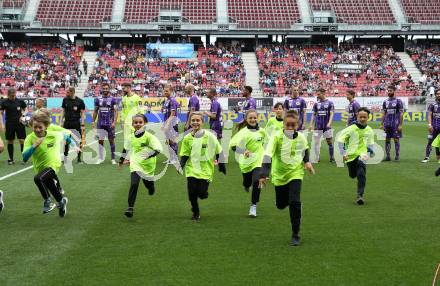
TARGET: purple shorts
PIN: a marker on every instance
(392, 132)
(106, 131)
(218, 129)
(434, 134)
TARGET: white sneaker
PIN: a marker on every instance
(172, 162)
(99, 162)
(166, 162)
(2, 205)
(253, 211)
(426, 160)
(114, 162)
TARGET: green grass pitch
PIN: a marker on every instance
(392, 240)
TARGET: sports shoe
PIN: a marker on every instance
(253, 211)
(48, 206)
(195, 217)
(397, 158)
(62, 191)
(99, 162)
(387, 159)
(79, 162)
(360, 200)
(114, 162)
(296, 240)
(437, 173)
(246, 189)
(172, 162)
(11, 162)
(332, 160)
(129, 212)
(426, 160)
(62, 206)
(2, 205)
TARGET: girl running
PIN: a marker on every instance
(198, 151)
(288, 155)
(143, 147)
(275, 124)
(248, 144)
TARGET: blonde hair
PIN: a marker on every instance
(42, 117)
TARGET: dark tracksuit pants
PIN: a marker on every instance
(289, 195)
(48, 183)
(358, 169)
(252, 179)
(73, 125)
(197, 189)
(134, 185)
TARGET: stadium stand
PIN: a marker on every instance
(74, 13)
(144, 11)
(427, 60)
(263, 14)
(214, 67)
(357, 12)
(13, 3)
(311, 68)
(422, 11)
(39, 70)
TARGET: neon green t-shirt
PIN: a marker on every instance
(131, 105)
(57, 128)
(48, 154)
(273, 126)
(139, 150)
(287, 157)
(356, 140)
(436, 142)
(201, 152)
(252, 140)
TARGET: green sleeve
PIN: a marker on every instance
(236, 139)
(27, 142)
(185, 149)
(344, 135)
(271, 147)
(154, 143)
(436, 142)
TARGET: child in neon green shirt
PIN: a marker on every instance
(198, 150)
(143, 147)
(248, 144)
(355, 144)
(275, 124)
(287, 155)
(436, 144)
(44, 146)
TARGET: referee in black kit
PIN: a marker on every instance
(73, 117)
(14, 108)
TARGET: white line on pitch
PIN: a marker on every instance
(30, 167)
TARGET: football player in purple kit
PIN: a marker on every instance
(299, 105)
(321, 123)
(250, 102)
(392, 121)
(352, 108)
(215, 114)
(433, 124)
(193, 104)
(107, 113)
(171, 122)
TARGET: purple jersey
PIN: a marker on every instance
(105, 106)
(193, 103)
(322, 110)
(352, 110)
(393, 108)
(434, 108)
(299, 105)
(169, 106)
(217, 123)
(250, 103)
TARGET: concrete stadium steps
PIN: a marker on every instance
(410, 66)
(118, 11)
(252, 72)
(31, 10)
(82, 86)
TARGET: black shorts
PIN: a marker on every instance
(354, 166)
(73, 125)
(197, 188)
(288, 194)
(13, 129)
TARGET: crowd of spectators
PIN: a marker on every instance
(39, 70)
(427, 60)
(366, 69)
(219, 67)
